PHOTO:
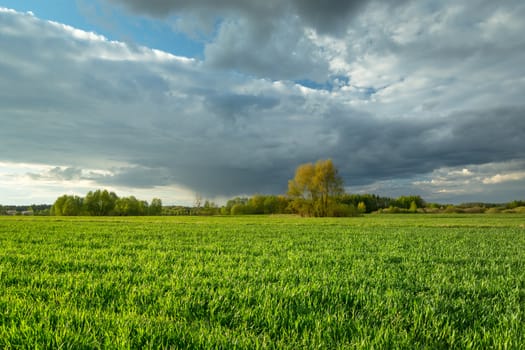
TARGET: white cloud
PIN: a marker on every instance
(473, 181)
(77, 33)
(462, 172)
(500, 178)
(6, 10)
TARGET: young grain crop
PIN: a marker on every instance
(263, 282)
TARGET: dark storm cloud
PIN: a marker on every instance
(135, 177)
(328, 16)
(374, 150)
(230, 181)
(324, 15)
(232, 106)
(367, 150)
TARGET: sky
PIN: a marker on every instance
(176, 99)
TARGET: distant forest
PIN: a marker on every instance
(279, 204)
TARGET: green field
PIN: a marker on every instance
(384, 281)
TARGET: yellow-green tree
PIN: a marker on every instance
(100, 202)
(155, 208)
(314, 188)
(67, 206)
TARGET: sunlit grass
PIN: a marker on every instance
(405, 281)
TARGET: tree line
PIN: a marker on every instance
(33, 209)
(316, 190)
(104, 203)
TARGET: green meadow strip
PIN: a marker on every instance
(272, 282)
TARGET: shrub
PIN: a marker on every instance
(519, 210)
(474, 210)
(494, 210)
(453, 210)
(345, 210)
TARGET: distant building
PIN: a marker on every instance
(11, 212)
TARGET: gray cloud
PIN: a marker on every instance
(58, 173)
(135, 177)
(257, 48)
(259, 38)
(306, 39)
(377, 150)
(233, 106)
(325, 15)
(74, 101)
(332, 16)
